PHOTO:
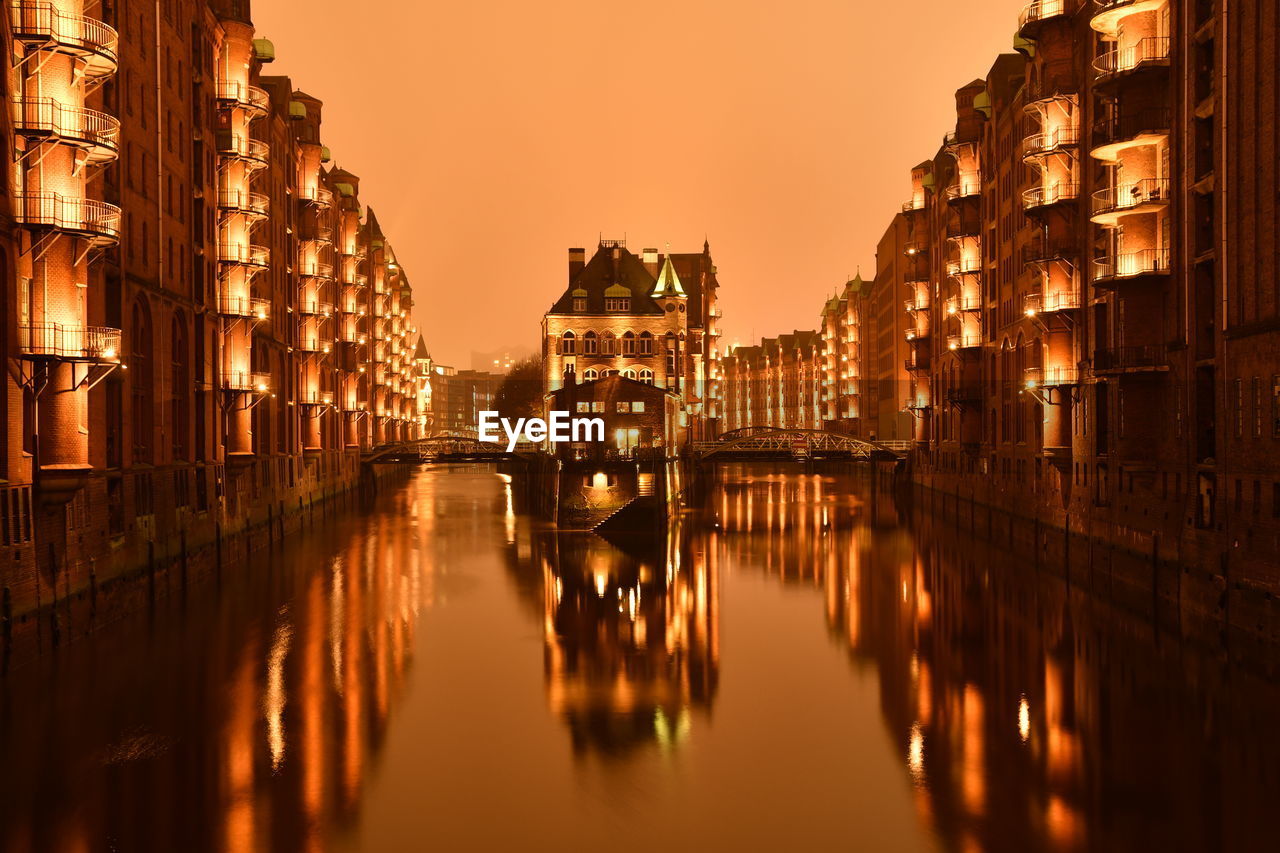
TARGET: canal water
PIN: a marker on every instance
(800, 665)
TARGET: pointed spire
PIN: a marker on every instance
(668, 282)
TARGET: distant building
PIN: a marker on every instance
(778, 383)
(500, 360)
(458, 397)
(648, 317)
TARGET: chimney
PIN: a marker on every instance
(651, 261)
(577, 260)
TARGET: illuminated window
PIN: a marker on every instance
(589, 343)
(623, 407)
(583, 406)
(637, 407)
(591, 375)
(617, 303)
(607, 344)
(646, 376)
(629, 344)
(567, 344)
(579, 303)
(646, 343)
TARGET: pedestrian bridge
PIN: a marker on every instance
(451, 448)
(801, 444)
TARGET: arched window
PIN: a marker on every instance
(180, 387)
(628, 374)
(646, 343)
(646, 376)
(671, 353)
(141, 374)
(629, 343)
(590, 375)
(589, 343)
(567, 344)
(607, 344)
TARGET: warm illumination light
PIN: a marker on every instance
(1024, 718)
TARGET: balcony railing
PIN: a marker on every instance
(315, 269)
(915, 334)
(967, 185)
(1050, 302)
(316, 234)
(915, 403)
(244, 96)
(314, 343)
(956, 304)
(96, 221)
(40, 23)
(243, 201)
(1150, 51)
(964, 266)
(244, 306)
(355, 280)
(242, 381)
(315, 398)
(1046, 196)
(243, 253)
(242, 147)
(1039, 251)
(315, 308)
(317, 195)
(967, 340)
(1131, 358)
(913, 365)
(70, 342)
(1050, 377)
(1112, 132)
(919, 303)
(1132, 197)
(45, 118)
(1132, 265)
(1038, 144)
(1038, 11)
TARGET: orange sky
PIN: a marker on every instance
(492, 136)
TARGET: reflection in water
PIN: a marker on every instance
(985, 703)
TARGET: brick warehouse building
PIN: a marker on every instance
(1089, 267)
(652, 317)
(203, 328)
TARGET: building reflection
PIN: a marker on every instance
(630, 638)
(290, 702)
(1028, 714)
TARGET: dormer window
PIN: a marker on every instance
(618, 303)
(579, 303)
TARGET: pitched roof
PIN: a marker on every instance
(610, 268)
(668, 282)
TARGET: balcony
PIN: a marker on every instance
(254, 152)
(98, 344)
(316, 269)
(914, 404)
(244, 306)
(964, 394)
(47, 120)
(1050, 142)
(39, 24)
(315, 308)
(967, 185)
(1044, 197)
(92, 220)
(315, 398)
(245, 255)
(1108, 272)
(1037, 12)
(359, 280)
(250, 204)
(1145, 196)
(244, 96)
(913, 335)
(317, 195)
(964, 266)
(919, 303)
(1132, 359)
(912, 206)
(238, 381)
(1049, 377)
(969, 340)
(913, 365)
(1044, 251)
(314, 233)
(957, 304)
(1050, 303)
(914, 248)
(1106, 18)
(1117, 133)
(961, 227)
(1150, 53)
(314, 343)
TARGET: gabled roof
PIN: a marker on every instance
(668, 282)
(611, 268)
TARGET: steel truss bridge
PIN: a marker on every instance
(778, 443)
(451, 448)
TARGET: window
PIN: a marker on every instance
(589, 343)
(618, 303)
(1257, 407)
(623, 407)
(646, 343)
(180, 387)
(629, 344)
(583, 406)
(637, 407)
(579, 303)
(628, 374)
(646, 376)
(567, 344)
(597, 406)
(591, 375)
(1239, 408)
(608, 345)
